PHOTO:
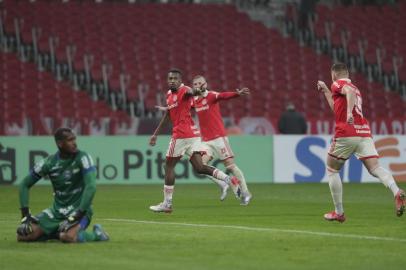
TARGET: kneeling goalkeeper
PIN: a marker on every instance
(72, 175)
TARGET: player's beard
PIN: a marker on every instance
(173, 88)
(72, 150)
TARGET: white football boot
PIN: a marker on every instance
(161, 207)
(224, 189)
(246, 198)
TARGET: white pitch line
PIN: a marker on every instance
(259, 229)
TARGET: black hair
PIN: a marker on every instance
(175, 70)
(60, 133)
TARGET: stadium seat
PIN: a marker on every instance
(145, 40)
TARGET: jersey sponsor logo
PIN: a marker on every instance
(173, 106)
(54, 171)
(67, 174)
(63, 193)
(204, 101)
(361, 126)
(56, 167)
(66, 210)
(175, 98)
(362, 131)
(204, 108)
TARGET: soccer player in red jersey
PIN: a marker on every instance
(185, 139)
(214, 138)
(352, 136)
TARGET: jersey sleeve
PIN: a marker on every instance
(89, 178)
(336, 88)
(212, 97)
(89, 190)
(40, 169)
(24, 187)
(227, 95)
(216, 96)
(183, 93)
(86, 164)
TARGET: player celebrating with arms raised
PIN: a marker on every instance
(352, 136)
(215, 142)
(72, 175)
(185, 139)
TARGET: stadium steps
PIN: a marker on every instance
(370, 38)
(142, 41)
(34, 103)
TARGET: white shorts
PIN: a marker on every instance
(218, 148)
(179, 147)
(362, 147)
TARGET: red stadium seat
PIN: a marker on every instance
(217, 41)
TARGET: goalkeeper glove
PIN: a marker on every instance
(25, 227)
(71, 221)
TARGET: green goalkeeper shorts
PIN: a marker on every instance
(49, 220)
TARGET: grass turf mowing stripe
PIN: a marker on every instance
(246, 228)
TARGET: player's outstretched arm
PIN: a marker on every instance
(165, 118)
(161, 108)
(321, 86)
(230, 95)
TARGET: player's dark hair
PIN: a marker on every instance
(339, 67)
(175, 70)
(60, 133)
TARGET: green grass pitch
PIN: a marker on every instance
(282, 228)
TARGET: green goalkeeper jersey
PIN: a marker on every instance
(73, 181)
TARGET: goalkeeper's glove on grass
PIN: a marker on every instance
(25, 227)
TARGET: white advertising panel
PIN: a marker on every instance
(301, 159)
